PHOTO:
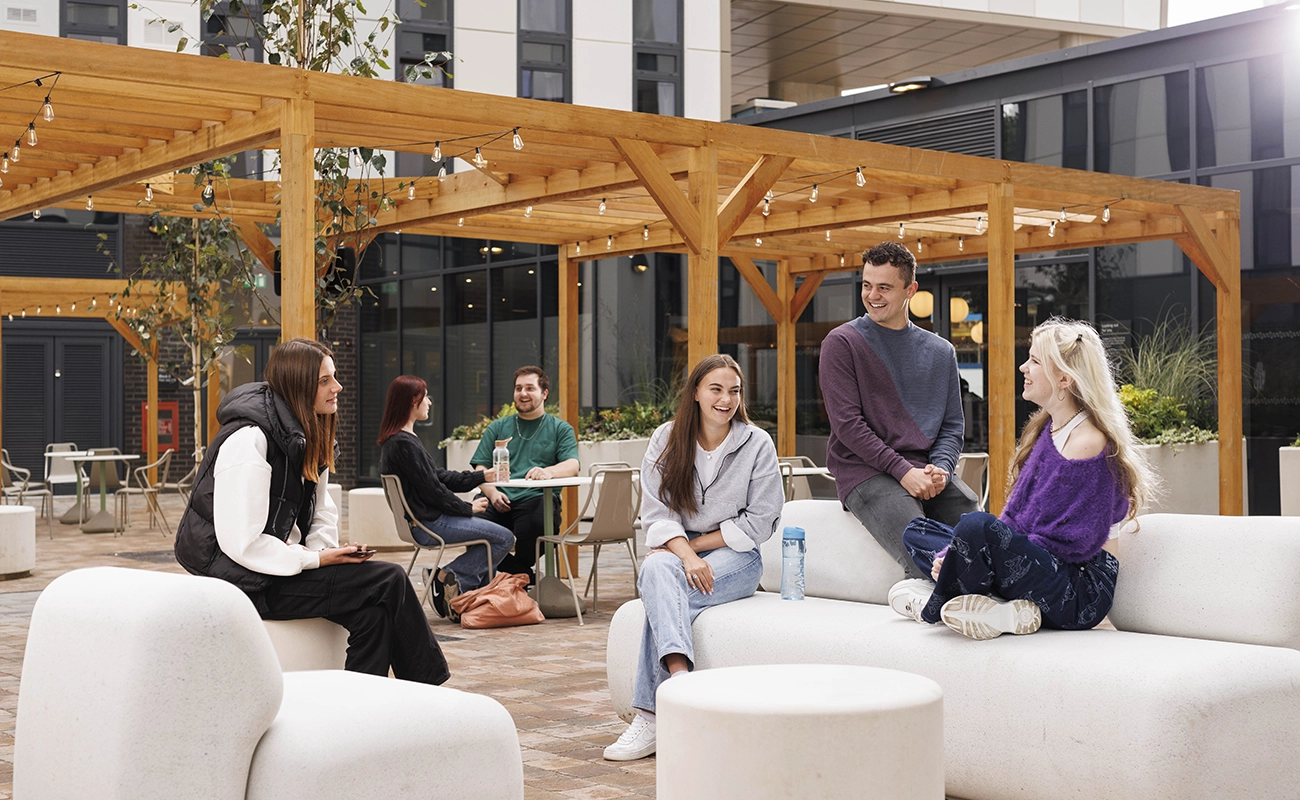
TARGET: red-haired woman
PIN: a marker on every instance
(430, 492)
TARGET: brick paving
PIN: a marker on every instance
(550, 677)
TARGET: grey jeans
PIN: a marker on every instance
(884, 508)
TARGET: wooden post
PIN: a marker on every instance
(568, 383)
(785, 352)
(1002, 341)
(151, 419)
(297, 221)
(1, 392)
(702, 267)
(1228, 324)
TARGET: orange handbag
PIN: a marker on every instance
(500, 604)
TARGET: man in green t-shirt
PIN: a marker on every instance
(541, 446)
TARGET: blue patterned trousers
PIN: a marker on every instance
(985, 556)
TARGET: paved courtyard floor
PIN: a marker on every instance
(550, 677)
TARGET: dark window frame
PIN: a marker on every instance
(526, 37)
(215, 45)
(657, 48)
(70, 30)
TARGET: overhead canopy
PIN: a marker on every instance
(597, 183)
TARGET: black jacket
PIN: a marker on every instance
(429, 489)
(293, 498)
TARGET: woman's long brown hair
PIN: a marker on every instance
(293, 372)
(676, 464)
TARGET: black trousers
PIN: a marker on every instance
(378, 606)
(524, 519)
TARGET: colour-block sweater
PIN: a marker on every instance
(1066, 506)
(429, 489)
(894, 402)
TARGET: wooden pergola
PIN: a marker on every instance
(597, 183)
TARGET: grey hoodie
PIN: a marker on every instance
(743, 500)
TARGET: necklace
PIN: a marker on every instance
(1058, 428)
(520, 433)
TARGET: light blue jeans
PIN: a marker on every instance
(470, 568)
(671, 606)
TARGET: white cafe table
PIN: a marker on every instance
(104, 521)
(552, 595)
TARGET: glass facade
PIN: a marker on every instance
(94, 20)
(545, 50)
(1142, 127)
(657, 56)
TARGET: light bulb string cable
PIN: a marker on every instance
(37, 81)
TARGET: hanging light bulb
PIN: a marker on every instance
(758, 242)
(460, 223)
(860, 179)
(15, 155)
(961, 243)
(516, 141)
(90, 202)
(1051, 229)
(919, 245)
(600, 209)
(437, 151)
(31, 134)
(1062, 213)
(841, 259)
(1105, 214)
(528, 211)
(38, 311)
(609, 243)
(901, 230)
(812, 198)
(336, 219)
(355, 159)
(767, 206)
(4, 165)
(410, 191)
(36, 214)
(645, 233)
(828, 234)
(208, 191)
(94, 301)
(74, 305)
(47, 110)
(148, 193)
(578, 248)
(442, 173)
(23, 315)
(479, 160)
(979, 225)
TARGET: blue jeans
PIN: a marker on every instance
(671, 606)
(470, 568)
(987, 556)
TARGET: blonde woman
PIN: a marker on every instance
(1076, 473)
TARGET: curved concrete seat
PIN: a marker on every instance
(370, 520)
(303, 644)
(790, 730)
(17, 541)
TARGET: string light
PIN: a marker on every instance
(758, 242)
(410, 191)
(516, 141)
(767, 206)
(919, 245)
(1051, 229)
(479, 160)
(812, 198)
(961, 243)
(356, 161)
(578, 248)
(600, 209)
(437, 151)
(645, 233)
(94, 301)
(58, 309)
(74, 305)
(828, 234)
(442, 172)
(38, 311)
(979, 225)
(4, 165)
(460, 223)
(841, 259)
(1105, 214)
(901, 230)
(528, 211)
(16, 154)
(47, 110)
(860, 179)
(208, 191)
(36, 214)
(31, 134)
(90, 202)
(1062, 213)
(609, 242)
(148, 193)
(23, 315)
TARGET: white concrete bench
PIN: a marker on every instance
(306, 644)
(1144, 712)
(17, 541)
(370, 520)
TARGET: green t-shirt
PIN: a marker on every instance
(541, 442)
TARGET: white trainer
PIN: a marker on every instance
(638, 741)
(982, 617)
(908, 597)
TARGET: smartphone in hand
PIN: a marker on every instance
(364, 553)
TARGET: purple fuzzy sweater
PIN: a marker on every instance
(1066, 507)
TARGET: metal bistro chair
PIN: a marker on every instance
(404, 519)
(147, 490)
(186, 483)
(17, 483)
(59, 470)
(614, 520)
(973, 469)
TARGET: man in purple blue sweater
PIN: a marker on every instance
(893, 396)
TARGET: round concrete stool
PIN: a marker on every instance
(17, 541)
(800, 731)
(336, 494)
(370, 520)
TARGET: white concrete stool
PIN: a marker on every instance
(17, 541)
(370, 520)
(303, 644)
(800, 731)
(336, 494)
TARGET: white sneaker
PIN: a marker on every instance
(982, 617)
(638, 741)
(908, 597)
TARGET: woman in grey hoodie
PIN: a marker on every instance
(712, 494)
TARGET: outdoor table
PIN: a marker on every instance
(104, 520)
(552, 595)
(73, 515)
(802, 472)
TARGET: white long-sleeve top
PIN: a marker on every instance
(242, 500)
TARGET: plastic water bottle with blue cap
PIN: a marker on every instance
(792, 563)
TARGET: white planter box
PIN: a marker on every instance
(1190, 477)
(1288, 469)
(459, 453)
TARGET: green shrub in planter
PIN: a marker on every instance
(1160, 419)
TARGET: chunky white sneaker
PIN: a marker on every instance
(908, 597)
(638, 741)
(982, 617)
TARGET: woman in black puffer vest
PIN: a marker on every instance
(261, 518)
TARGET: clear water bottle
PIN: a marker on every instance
(792, 564)
(501, 459)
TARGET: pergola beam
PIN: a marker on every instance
(684, 215)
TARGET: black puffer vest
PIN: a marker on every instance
(293, 498)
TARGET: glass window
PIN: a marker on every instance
(515, 330)
(378, 365)
(95, 20)
(1248, 110)
(1142, 127)
(1270, 231)
(233, 35)
(421, 254)
(544, 16)
(542, 52)
(542, 85)
(466, 375)
(656, 21)
(544, 55)
(423, 35)
(656, 97)
(1049, 130)
(467, 252)
(422, 349)
(429, 10)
